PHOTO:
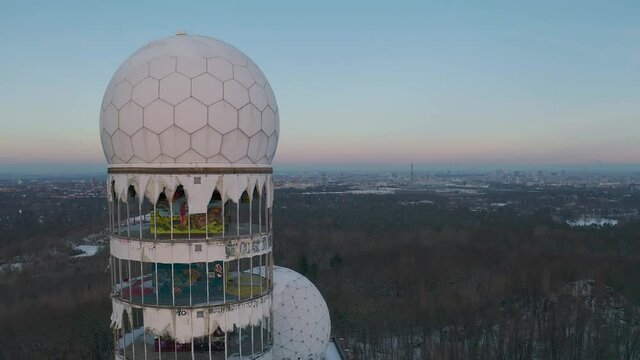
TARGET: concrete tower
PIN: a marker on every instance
(189, 126)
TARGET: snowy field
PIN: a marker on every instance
(87, 250)
(592, 221)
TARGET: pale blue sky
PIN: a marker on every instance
(360, 82)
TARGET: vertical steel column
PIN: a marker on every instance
(261, 277)
(252, 343)
(156, 284)
(155, 221)
(173, 287)
(113, 272)
(260, 213)
(130, 283)
(144, 338)
(142, 283)
(119, 227)
(120, 277)
(110, 214)
(262, 334)
(128, 217)
(171, 216)
(226, 340)
(209, 344)
(207, 270)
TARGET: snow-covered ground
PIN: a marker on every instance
(419, 202)
(11, 267)
(381, 191)
(87, 250)
(592, 221)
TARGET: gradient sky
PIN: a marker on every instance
(358, 82)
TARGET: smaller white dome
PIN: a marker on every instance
(301, 321)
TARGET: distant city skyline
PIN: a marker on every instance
(359, 84)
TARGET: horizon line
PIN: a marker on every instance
(62, 168)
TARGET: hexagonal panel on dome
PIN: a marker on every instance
(257, 74)
(235, 56)
(158, 116)
(206, 88)
(191, 66)
(174, 141)
(190, 115)
(175, 88)
(218, 159)
(244, 160)
(108, 95)
(206, 141)
(130, 118)
(116, 160)
(146, 145)
(163, 159)
(122, 145)
(243, 76)
(162, 66)
(271, 98)
(107, 146)
(223, 117)
(220, 68)
(110, 119)
(258, 97)
(234, 145)
(191, 157)
(235, 93)
(269, 121)
(271, 146)
(249, 119)
(135, 75)
(145, 92)
(122, 94)
(257, 147)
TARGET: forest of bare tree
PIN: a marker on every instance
(427, 281)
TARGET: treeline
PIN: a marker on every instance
(56, 308)
(432, 281)
(32, 225)
(427, 281)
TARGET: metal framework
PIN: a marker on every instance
(181, 292)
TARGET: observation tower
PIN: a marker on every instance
(189, 126)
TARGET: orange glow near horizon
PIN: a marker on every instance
(374, 151)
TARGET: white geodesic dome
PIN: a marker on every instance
(189, 99)
(301, 322)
